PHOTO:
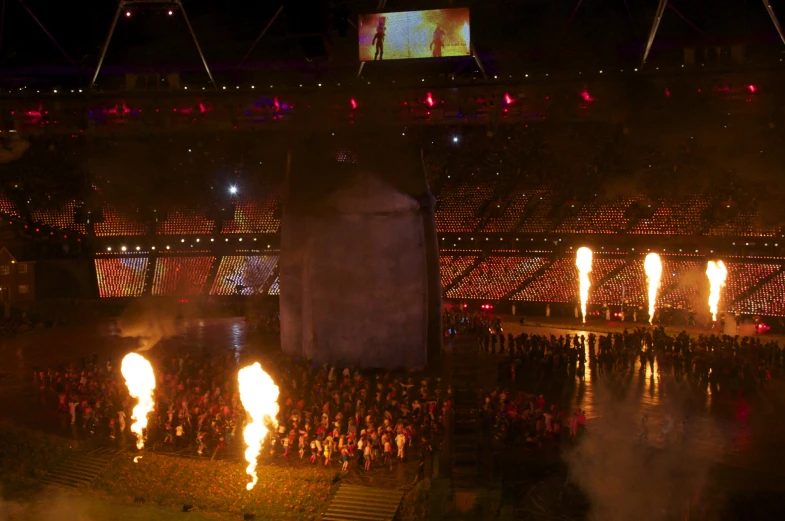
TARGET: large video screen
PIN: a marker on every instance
(414, 34)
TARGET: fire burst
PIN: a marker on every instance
(583, 261)
(259, 395)
(653, 268)
(717, 273)
(140, 380)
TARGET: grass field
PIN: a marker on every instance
(281, 493)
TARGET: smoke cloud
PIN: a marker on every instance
(624, 478)
(149, 321)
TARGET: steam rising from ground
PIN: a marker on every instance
(149, 320)
(626, 479)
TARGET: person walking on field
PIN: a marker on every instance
(400, 441)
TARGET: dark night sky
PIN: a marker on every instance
(534, 31)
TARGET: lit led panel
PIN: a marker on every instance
(62, 217)
(256, 216)
(451, 266)
(275, 289)
(495, 277)
(243, 275)
(121, 277)
(181, 276)
(560, 282)
(118, 223)
(767, 300)
(185, 221)
(7, 206)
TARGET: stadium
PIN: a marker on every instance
(353, 260)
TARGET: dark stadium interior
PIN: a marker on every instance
(396, 241)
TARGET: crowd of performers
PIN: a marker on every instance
(730, 367)
(327, 413)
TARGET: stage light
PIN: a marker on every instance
(123, 248)
(353, 103)
(752, 88)
(109, 249)
(128, 14)
(233, 190)
(455, 139)
(138, 248)
(153, 247)
(169, 12)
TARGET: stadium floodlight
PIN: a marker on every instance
(124, 5)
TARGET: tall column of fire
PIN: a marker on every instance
(653, 268)
(140, 380)
(259, 396)
(717, 273)
(583, 260)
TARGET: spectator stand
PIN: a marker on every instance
(496, 277)
(767, 299)
(453, 268)
(744, 279)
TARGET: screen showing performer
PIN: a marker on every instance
(414, 34)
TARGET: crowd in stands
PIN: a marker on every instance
(768, 300)
(452, 266)
(496, 276)
(615, 280)
(121, 276)
(560, 280)
(121, 223)
(182, 220)
(328, 414)
(244, 275)
(181, 276)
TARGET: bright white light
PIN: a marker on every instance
(123, 248)
(138, 248)
(583, 260)
(717, 273)
(140, 380)
(170, 12)
(652, 266)
(455, 139)
(109, 248)
(259, 396)
(128, 14)
(232, 189)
